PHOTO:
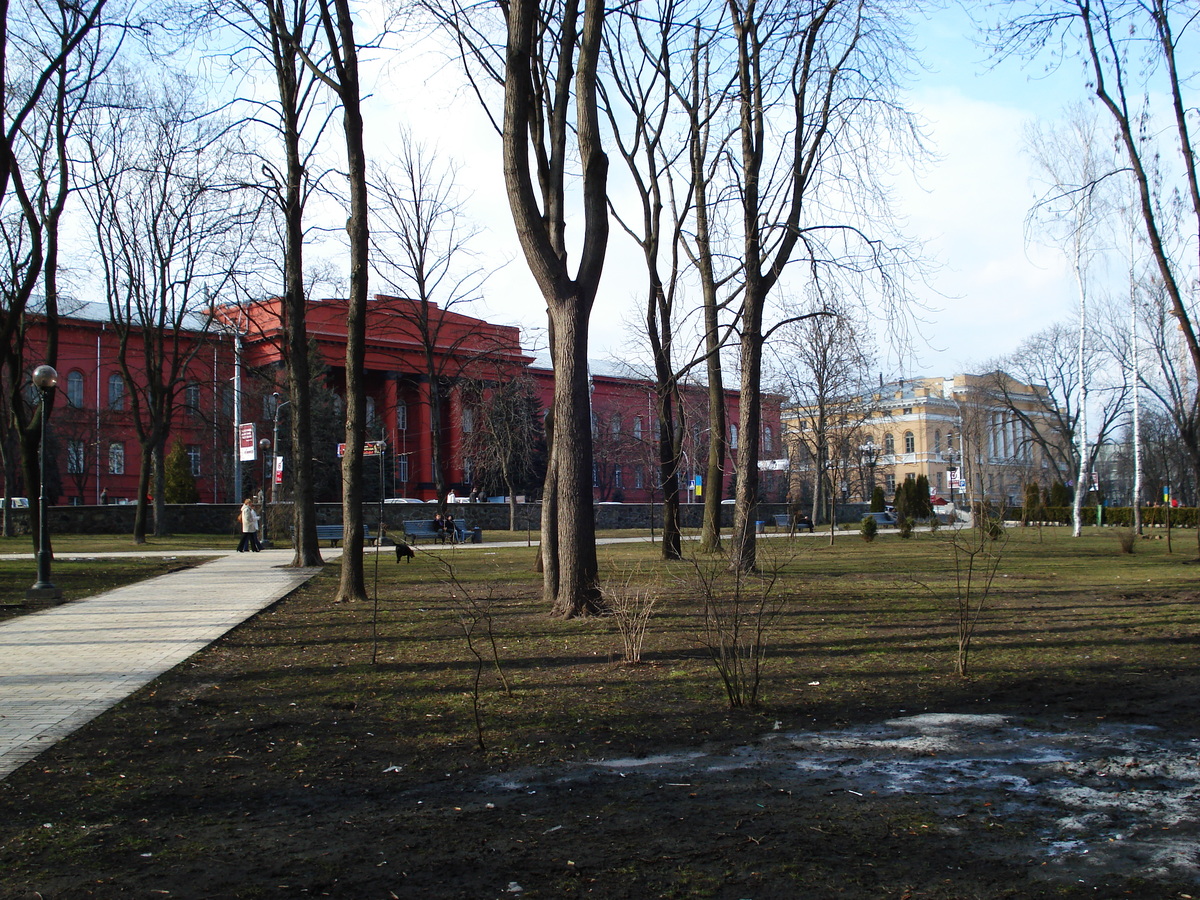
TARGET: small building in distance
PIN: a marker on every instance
(974, 437)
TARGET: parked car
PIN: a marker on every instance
(18, 502)
(402, 500)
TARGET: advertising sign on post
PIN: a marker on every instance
(247, 442)
(278, 470)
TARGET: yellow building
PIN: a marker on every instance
(972, 436)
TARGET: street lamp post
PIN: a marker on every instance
(44, 379)
(263, 445)
(870, 456)
(952, 475)
(275, 448)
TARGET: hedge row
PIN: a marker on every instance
(1181, 517)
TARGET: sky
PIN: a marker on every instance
(989, 288)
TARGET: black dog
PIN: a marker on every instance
(403, 550)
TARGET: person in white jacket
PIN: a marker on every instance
(249, 519)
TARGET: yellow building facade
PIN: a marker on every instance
(972, 436)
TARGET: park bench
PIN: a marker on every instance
(416, 529)
(334, 533)
(785, 521)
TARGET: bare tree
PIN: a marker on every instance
(816, 95)
(703, 92)
(640, 101)
(170, 232)
(279, 35)
(550, 123)
(1139, 63)
(50, 54)
(1038, 387)
(503, 444)
(421, 249)
(824, 362)
(338, 70)
(1072, 211)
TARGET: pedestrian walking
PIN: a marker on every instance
(248, 517)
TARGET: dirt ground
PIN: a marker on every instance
(927, 805)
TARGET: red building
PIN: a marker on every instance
(427, 370)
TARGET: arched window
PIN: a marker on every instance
(937, 442)
(889, 444)
(910, 443)
(116, 393)
(75, 389)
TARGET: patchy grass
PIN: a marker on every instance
(284, 761)
(79, 578)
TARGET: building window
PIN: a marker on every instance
(618, 478)
(370, 412)
(637, 428)
(468, 419)
(402, 468)
(270, 404)
(890, 481)
(193, 452)
(639, 478)
(767, 438)
(116, 458)
(75, 389)
(939, 482)
(402, 416)
(889, 444)
(615, 425)
(910, 477)
(937, 442)
(116, 392)
(733, 437)
(908, 410)
(910, 442)
(191, 398)
(76, 457)
(468, 471)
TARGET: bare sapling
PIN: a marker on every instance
(738, 608)
(631, 603)
(475, 616)
(977, 555)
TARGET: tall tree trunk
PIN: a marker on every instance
(353, 582)
(568, 548)
(743, 550)
(576, 591)
(295, 301)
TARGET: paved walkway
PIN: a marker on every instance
(61, 667)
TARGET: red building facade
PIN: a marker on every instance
(426, 369)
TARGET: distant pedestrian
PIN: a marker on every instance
(248, 517)
(104, 497)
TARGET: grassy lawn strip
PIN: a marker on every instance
(314, 721)
(79, 578)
